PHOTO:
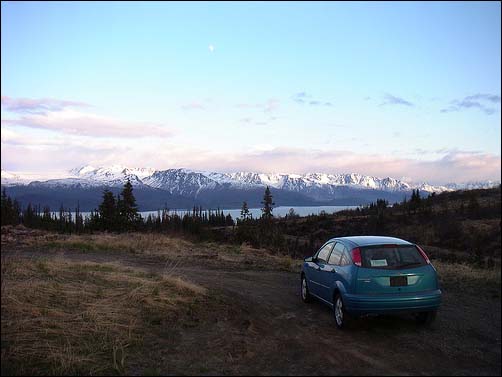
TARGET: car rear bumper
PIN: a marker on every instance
(380, 304)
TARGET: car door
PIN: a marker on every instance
(328, 273)
(345, 271)
(318, 263)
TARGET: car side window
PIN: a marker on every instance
(335, 256)
(322, 256)
(345, 261)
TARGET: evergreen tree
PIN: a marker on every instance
(267, 205)
(10, 210)
(4, 210)
(245, 214)
(128, 210)
(415, 201)
(16, 211)
(292, 214)
(108, 211)
(229, 221)
(29, 216)
(79, 220)
(7, 210)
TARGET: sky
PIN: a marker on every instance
(408, 90)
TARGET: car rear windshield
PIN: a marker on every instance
(391, 257)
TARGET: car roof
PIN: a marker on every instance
(357, 241)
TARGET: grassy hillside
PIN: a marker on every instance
(64, 317)
(153, 304)
(457, 226)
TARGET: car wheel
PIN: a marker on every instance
(342, 318)
(306, 297)
(426, 318)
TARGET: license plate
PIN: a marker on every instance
(398, 281)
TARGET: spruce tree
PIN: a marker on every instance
(16, 210)
(4, 210)
(108, 211)
(29, 216)
(229, 221)
(267, 205)
(128, 209)
(245, 214)
(10, 210)
(7, 214)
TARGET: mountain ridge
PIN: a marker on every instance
(168, 179)
(185, 187)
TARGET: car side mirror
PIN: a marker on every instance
(308, 259)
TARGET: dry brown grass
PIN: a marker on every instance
(169, 249)
(465, 277)
(147, 243)
(61, 317)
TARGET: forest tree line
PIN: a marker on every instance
(436, 220)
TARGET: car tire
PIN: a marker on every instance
(426, 318)
(342, 318)
(304, 290)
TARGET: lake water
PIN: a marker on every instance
(256, 212)
(277, 211)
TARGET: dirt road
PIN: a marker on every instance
(263, 328)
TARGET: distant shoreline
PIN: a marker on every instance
(279, 211)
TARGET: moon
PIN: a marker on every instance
(211, 48)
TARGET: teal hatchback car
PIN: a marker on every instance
(366, 275)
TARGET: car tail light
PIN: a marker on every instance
(423, 254)
(356, 256)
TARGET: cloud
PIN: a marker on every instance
(389, 99)
(193, 106)
(304, 98)
(37, 106)
(270, 105)
(457, 166)
(78, 123)
(21, 151)
(249, 121)
(300, 97)
(484, 97)
(483, 102)
(49, 155)
(247, 106)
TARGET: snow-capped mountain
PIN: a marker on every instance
(183, 188)
(189, 183)
(17, 179)
(180, 181)
(9, 178)
(114, 175)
